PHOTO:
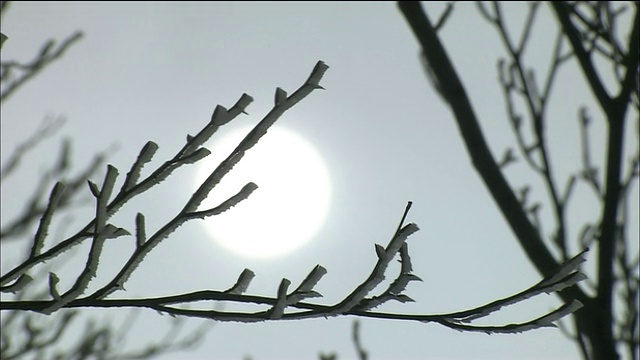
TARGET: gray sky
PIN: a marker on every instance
(155, 71)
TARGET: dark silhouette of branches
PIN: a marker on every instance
(28, 334)
(357, 303)
(591, 30)
(34, 272)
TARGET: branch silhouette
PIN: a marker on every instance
(285, 305)
(590, 29)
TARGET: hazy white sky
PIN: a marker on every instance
(155, 71)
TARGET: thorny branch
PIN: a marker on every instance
(359, 302)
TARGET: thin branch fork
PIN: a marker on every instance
(203, 191)
(565, 276)
(517, 79)
(356, 303)
(48, 54)
(615, 109)
(454, 93)
(592, 326)
(129, 190)
(188, 154)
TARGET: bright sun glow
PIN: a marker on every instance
(290, 204)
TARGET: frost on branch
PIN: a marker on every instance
(243, 282)
(285, 304)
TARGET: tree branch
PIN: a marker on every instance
(454, 93)
(565, 276)
(562, 11)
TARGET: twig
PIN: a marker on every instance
(564, 277)
(187, 213)
(46, 56)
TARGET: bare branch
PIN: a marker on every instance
(362, 353)
(455, 94)
(48, 128)
(562, 12)
(312, 83)
(565, 276)
(48, 54)
(443, 19)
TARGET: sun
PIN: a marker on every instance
(290, 204)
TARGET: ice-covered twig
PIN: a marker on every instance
(102, 232)
(189, 211)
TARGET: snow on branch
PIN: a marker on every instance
(285, 304)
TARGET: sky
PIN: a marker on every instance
(155, 71)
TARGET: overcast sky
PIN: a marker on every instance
(155, 71)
